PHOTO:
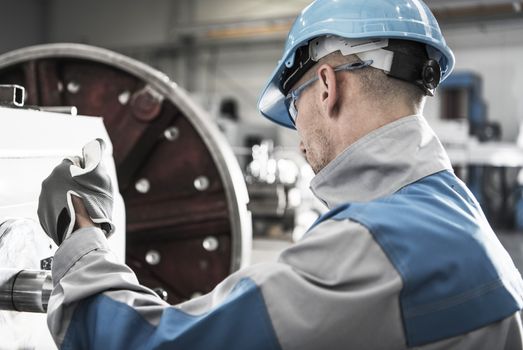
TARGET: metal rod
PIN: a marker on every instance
(72, 110)
(25, 290)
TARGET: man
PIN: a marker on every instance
(404, 258)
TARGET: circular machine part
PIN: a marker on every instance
(138, 105)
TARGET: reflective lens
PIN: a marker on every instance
(290, 103)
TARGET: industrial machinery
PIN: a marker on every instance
(490, 167)
(32, 142)
(282, 204)
(187, 225)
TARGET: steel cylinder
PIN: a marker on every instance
(25, 290)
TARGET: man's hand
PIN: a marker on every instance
(80, 178)
(82, 217)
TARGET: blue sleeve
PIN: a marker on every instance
(241, 321)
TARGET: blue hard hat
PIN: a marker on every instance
(355, 19)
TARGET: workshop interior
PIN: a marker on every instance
(204, 185)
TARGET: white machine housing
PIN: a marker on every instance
(32, 143)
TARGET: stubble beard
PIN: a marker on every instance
(318, 150)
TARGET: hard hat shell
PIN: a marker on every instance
(356, 19)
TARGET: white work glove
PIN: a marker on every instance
(85, 177)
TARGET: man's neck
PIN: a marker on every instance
(365, 120)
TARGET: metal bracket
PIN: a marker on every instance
(12, 95)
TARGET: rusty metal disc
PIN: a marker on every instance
(188, 226)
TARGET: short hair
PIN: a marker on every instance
(376, 84)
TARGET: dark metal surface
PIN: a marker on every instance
(160, 172)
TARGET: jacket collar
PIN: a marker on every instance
(381, 162)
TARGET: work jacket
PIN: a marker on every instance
(404, 258)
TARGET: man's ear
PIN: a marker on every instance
(329, 89)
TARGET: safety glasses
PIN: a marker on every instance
(292, 97)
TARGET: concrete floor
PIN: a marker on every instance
(513, 243)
